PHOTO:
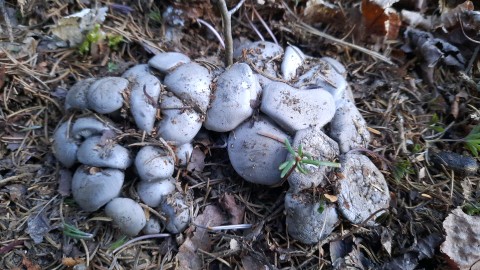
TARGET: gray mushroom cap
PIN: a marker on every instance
(362, 191)
(103, 153)
(309, 220)
(191, 82)
(132, 73)
(260, 54)
(254, 155)
(64, 146)
(292, 60)
(154, 163)
(339, 67)
(144, 101)
(236, 91)
(348, 127)
(168, 61)
(176, 211)
(86, 127)
(153, 192)
(179, 124)
(127, 215)
(77, 95)
(105, 95)
(322, 148)
(295, 109)
(92, 189)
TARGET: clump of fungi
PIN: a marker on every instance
(294, 97)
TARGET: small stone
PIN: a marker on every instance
(348, 127)
(85, 127)
(309, 220)
(144, 101)
(179, 123)
(103, 153)
(321, 148)
(362, 191)
(460, 164)
(105, 95)
(292, 60)
(176, 212)
(236, 91)
(168, 61)
(92, 189)
(154, 163)
(127, 215)
(295, 109)
(77, 95)
(191, 83)
(255, 153)
(153, 192)
(64, 147)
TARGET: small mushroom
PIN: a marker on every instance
(292, 60)
(153, 192)
(237, 89)
(127, 215)
(183, 153)
(320, 147)
(295, 109)
(168, 61)
(260, 54)
(136, 71)
(103, 153)
(144, 101)
(309, 220)
(152, 226)
(362, 191)
(191, 83)
(255, 153)
(154, 163)
(77, 95)
(64, 146)
(176, 211)
(86, 127)
(348, 127)
(179, 123)
(93, 188)
(105, 95)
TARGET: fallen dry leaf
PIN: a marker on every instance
(449, 16)
(462, 242)
(381, 19)
(331, 198)
(29, 264)
(187, 255)
(71, 262)
(234, 210)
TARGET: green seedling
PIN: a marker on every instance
(300, 160)
(93, 37)
(114, 41)
(75, 233)
(401, 169)
(472, 141)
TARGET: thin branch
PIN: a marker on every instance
(210, 27)
(227, 28)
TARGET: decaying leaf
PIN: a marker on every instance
(319, 11)
(197, 160)
(73, 28)
(380, 19)
(462, 243)
(449, 16)
(235, 211)
(38, 226)
(187, 255)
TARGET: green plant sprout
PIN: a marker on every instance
(472, 141)
(300, 160)
(74, 232)
(94, 36)
(401, 169)
(472, 209)
(114, 41)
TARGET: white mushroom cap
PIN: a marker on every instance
(168, 61)
(77, 95)
(86, 127)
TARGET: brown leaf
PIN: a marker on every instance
(381, 19)
(71, 262)
(235, 211)
(197, 161)
(29, 264)
(318, 11)
(187, 256)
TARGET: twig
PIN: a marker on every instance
(265, 26)
(227, 28)
(217, 35)
(158, 235)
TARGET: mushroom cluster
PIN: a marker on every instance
(268, 96)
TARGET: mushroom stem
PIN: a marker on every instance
(227, 28)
